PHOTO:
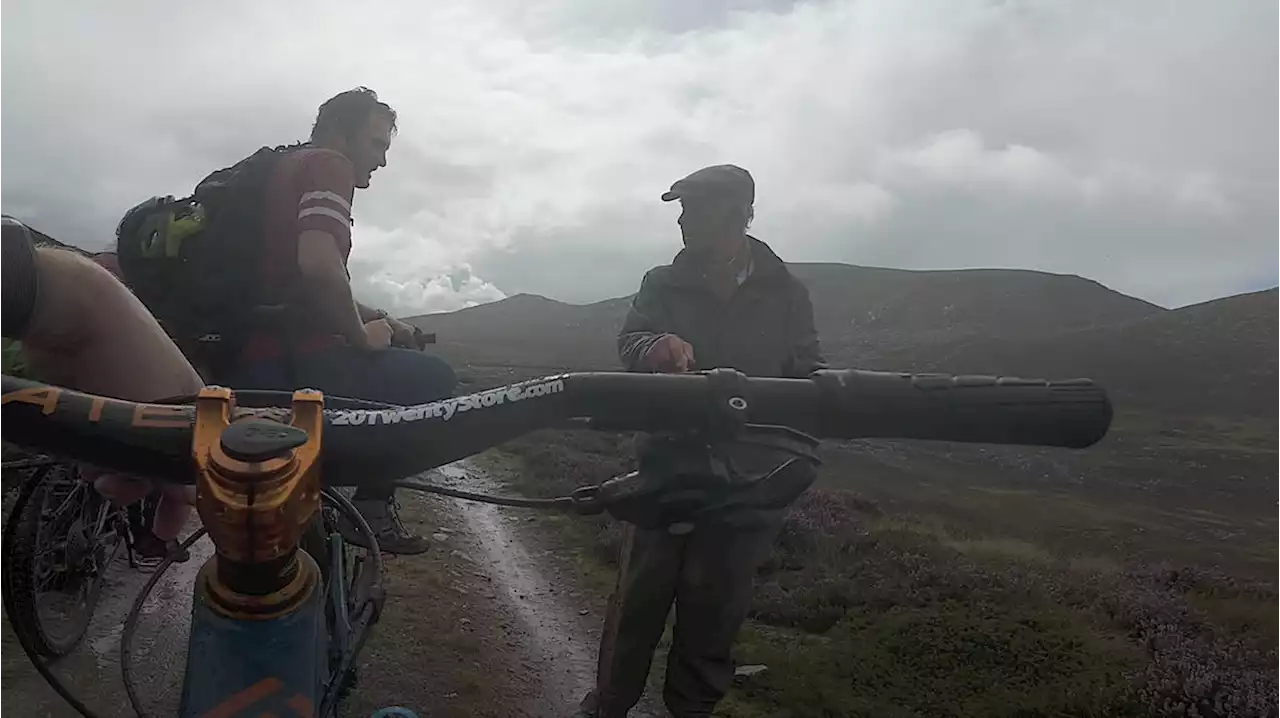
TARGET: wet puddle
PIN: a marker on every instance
(564, 653)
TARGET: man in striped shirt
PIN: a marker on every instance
(334, 343)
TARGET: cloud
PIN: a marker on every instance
(1132, 142)
(406, 272)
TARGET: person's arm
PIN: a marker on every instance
(644, 344)
(641, 329)
(81, 328)
(368, 313)
(327, 288)
(806, 350)
(324, 237)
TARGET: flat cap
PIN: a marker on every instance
(717, 182)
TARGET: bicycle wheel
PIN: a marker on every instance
(351, 580)
(341, 570)
(322, 539)
(58, 541)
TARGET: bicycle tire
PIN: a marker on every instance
(19, 548)
(328, 520)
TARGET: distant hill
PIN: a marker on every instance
(527, 329)
(867, 314)
(1215, 358)
(1222, 353)
(862, 314)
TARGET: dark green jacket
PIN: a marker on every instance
(765, 329)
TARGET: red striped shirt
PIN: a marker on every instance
(310, 189)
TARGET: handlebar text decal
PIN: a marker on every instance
(45, 397)
(445, 410)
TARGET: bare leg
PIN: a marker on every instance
(120, 490)
(171, 512)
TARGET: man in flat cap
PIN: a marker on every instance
(726, 300)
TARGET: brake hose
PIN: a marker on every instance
(131, 622)
(559, 503)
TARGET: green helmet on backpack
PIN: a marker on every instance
(158, 226)
(193, 261)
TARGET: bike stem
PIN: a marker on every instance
(258, 609)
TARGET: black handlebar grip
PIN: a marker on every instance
(1075, 413)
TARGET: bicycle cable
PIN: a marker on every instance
(558, 503)
(131, 621)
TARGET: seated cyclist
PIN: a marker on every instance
(345, 348)
(83, 329)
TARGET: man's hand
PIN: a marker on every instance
(377, 334)
(402, 333)
(670, 355)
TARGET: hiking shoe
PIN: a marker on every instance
(383, 516)
(151, 551)
(589, 707)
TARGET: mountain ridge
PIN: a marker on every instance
(1211, 358)
(803, 268)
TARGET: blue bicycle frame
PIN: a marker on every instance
(286, 664)
(280, 667)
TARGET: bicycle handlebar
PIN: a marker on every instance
(368, 445)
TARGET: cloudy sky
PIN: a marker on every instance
(1129, 141)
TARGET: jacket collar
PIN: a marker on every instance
(766, 266)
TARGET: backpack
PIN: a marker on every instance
(195, 261)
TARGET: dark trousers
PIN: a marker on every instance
(708, 574)
(392, 376)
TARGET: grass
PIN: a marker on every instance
(982, 592)
(936, 661)
(1132, 498)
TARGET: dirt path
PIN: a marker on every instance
(490, 622)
